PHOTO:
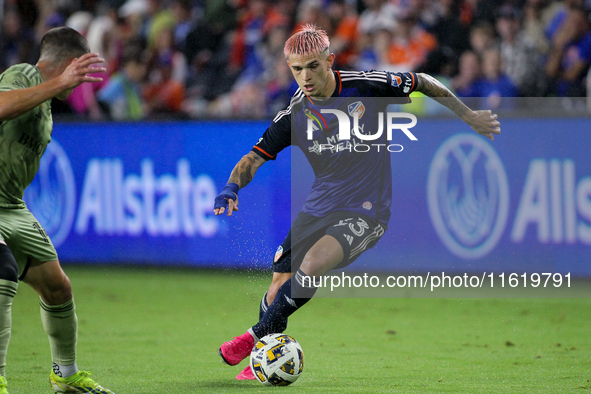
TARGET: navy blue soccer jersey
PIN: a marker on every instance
(352, 174)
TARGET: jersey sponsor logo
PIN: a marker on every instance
(468, 196)
(116, 203)
(51, 197)
(113, 202)
(31, 143)
(396, 81)
(407, 85)
(356, 109)
(554, 204)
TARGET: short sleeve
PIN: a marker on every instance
(276, 138)
(401, 84)
(17, 77)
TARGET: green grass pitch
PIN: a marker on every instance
(158, 331)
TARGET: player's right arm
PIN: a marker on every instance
(276, 138)
(16, 102)
(241, 176)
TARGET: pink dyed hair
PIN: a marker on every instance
(310, 39)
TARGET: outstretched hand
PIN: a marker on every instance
(226, 201)
(485, 123)
(77, 71)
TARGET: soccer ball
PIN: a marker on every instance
(277, 360)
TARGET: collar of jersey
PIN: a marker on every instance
(335, 93)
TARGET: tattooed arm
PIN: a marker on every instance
(241, 175)
(245, 169)
(483, 122)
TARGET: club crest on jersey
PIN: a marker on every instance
(367, 205)
(356, 108)
(396, 81)
(278, 253)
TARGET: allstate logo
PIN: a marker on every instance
(468, 196)
(51, 197)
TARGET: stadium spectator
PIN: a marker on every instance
(466, 83)
(375, 28)
(496, 89)
(207, 52)
(378, 14)
(182, 11)
(537, 14)
(482, 37)
(560, 16)
(104, 33)
(570, 56)
(411, 42)
(21, 36)
(344, 24)
(122, 94)
(449, 30)
(82, 100)
(133, 14)
(17, 40)
(167, 73)
(280, 87)
(259, 18)
(374, 56)
(311, 11)
(522, 62)
(159, 18)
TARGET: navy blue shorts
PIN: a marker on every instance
(354, 231)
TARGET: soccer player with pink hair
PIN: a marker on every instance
(348, 208)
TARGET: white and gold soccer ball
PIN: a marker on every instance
(277, 360)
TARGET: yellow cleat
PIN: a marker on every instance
(3, 384)
(76, 384)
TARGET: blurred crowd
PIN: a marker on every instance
(224, 58)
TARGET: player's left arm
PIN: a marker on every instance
(484, 122)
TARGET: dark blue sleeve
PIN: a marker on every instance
(276, 138)
(401, 84)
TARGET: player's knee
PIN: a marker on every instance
(58, 291)
(316, 264)
(8, 265)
